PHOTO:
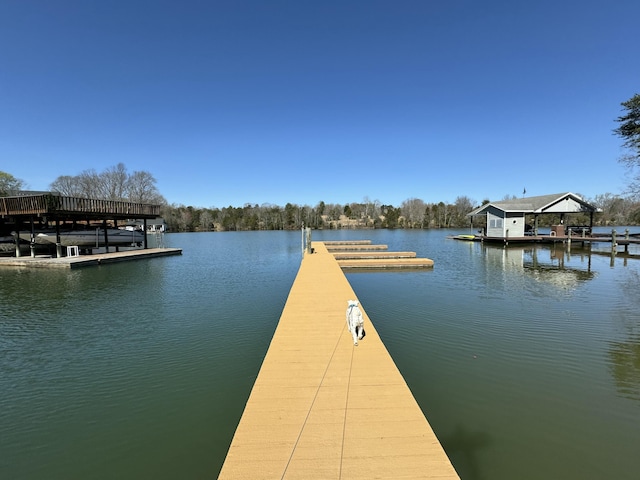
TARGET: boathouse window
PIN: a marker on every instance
(495, 223)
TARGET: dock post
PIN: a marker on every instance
(32, 245)
(306, 240)
(626, 236)
(614, 244)
(16, 235)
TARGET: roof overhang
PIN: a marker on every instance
(556, 203)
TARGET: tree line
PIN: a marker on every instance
(116, 184)
(411, 214)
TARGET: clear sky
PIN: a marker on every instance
(233, 102)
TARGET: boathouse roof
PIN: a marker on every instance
(554, 203)
(56, 206)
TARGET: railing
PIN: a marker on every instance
(23, 204)
(60, 205)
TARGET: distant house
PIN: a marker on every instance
(507, 218)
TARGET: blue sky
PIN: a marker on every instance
(234, 102)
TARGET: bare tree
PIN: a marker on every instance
(67, 185)
(463, 205)
(372, 208)
(206, 220)
(89, 184)
(615, 209)
(141, 188)
(112, 184)
(413, 212)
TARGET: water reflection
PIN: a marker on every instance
(566, 270)
(625, 366)
(556, 265)
(36, 293)
(624, 353)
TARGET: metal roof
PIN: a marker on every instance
(533, 205)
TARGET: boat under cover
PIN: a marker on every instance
(87, 238)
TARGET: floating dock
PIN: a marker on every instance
(322, 408)
(361, 254)
(46, 261)
(613, 239)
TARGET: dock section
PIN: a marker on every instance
(322, 408)
(46, 261)
(615, 240)
(361, 254)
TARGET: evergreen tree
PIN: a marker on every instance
(629, 131)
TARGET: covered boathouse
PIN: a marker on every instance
(29, 212)
(507, 219)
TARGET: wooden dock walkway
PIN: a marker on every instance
(46, 261)
(322, 408)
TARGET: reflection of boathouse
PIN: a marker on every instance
(548, 264)
(55, 215)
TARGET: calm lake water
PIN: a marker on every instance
(525, 360)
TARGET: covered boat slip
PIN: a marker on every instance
(506, 222)
(43, 218)
(323, 408)
(506, 219)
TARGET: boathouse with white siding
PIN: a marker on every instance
(506, 219)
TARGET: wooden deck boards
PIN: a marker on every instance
(360, 255)
(354, 247)
(322, 408)
(370, 255)
(386, 263)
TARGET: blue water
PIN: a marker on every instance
(526, 361)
